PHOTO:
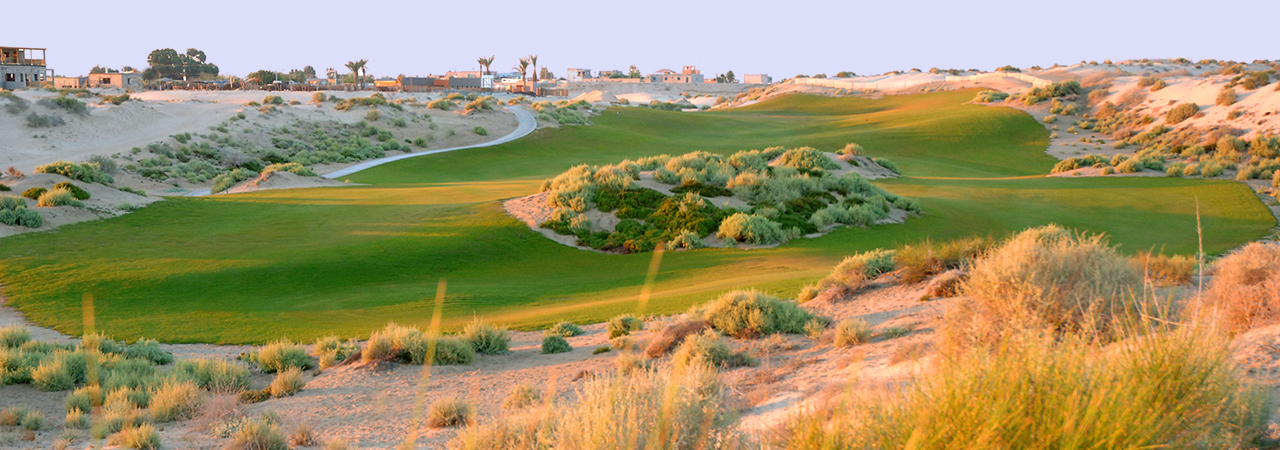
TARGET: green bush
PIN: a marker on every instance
(291, 167)
(990, 96)
(76, 191)
(708, 347)
(33, 193)
(486, 338)
(69, 104)
(1181, 112)
(623, 325)
(214, 375)
(454, 351)
(37, 120)
(372, 116)
(259, 434)
(565, 329)
(14, 336)
(807, 158)
(281, 355)
(33, 421)
(554, 343)
(226, 180)
(481, 131)
(751, 314)
(751, 228)
(1226, 97)
(273, 100)
(887, 164)
(86, 172)
(58, 197)
(440, 104)
(14, 211)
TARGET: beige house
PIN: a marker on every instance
(757, 79)
(689, 74)
(122, 80)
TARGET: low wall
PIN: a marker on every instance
(1035, 81)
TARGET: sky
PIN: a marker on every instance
(779, 38)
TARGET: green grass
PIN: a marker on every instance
(301, 264)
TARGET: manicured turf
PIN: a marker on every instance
(305, 263)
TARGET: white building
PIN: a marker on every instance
(757, 79)
(578, 75)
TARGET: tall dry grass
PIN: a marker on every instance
(1245, 291)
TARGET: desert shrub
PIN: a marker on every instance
(14, 211)
(291, 167)
(565, 329)
(86, 172)
(37, 120)
(1226, 97)
(68, 104)
(1165, 269)
(318, 97)
(671, 335)
(174, 401)
(1043, 391)
(263, 433)
(850, 149)
(441, 104)
(143, 436)
(522, 396)
(623, 325)
(211, 374)
(76, 420)
(451, 413)
(1181, 112)
(554, 343)
(13, 336)
(282, 355)
(58, 197)
(752, 313)
(331, 350)
(852, 332)
(708, 347)
(815, 327)
(287, 382)
(454, 351)
(751, 228)
(887, 164)
(990, 96)
(76, 191)
(619, 411)
(928, 258)
(33, 421)
(486, 338)
(372, 116)
(1050, 118)
(1047, 277)
(1245, 291)
(57, 373)
(807, 158)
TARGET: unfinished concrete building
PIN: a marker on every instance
(22, 67)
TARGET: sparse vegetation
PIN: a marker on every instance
(752, 314)
(451, 413)
(852, 332)
(1181, 112)
(623, 325)
(554, 343)
(1245, 291)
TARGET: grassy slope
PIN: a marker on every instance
(304, 263)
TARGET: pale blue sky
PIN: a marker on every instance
(780, 38)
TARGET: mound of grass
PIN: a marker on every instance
(281, 355)
(486, 338)
(215, 375)
(174, 401)
(554, 343)
(990, 96)
(751, 229)
(523, 395)
(37, 120)
(565, 329)
(451, 413)
(86, 172)
(142, 436)
(14, 211)
(58, 197)
(1245, 291)
(752, 314)
(291, 167)
(287, 383)
(852, 332)
(1040, 391)
(1181, 112)
(672, 335)
(262, 433)
(1046, 277)
(806, 159)
(708, 347)
(76, 191)
(623, 325)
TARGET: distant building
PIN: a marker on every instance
(463, 74)
(417, 81)
(19, 68)
(122, 80)
(578, 75)
(318, 81)
(757, 79)
(69, 82)
(386, 82)
(689, 74)
(464, 82)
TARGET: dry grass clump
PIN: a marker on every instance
(332, 350)
(849, 275)
(142, 436)
(303, 436)
(174, 401)
(565, 329)
(752, 313)
(287, 383)
(410, 346)
(682, 407)
(673, 334)
(623, 325)
(1044, 277)
(1166, 270)
(486, 338)
(263, 433)
(1043, 390)
(451, 413)
(281, 355)
(708, 347)
(1245, 291)
(214, 375)
(850, 332)
(928, 258)
(523, 395)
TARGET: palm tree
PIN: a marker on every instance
(355, 67)
(523, 68)
(533, 60)
(485, 62)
